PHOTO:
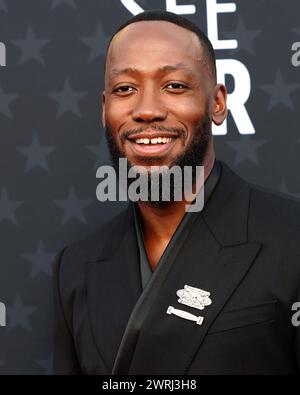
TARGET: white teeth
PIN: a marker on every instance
(156, 140)
(142, 141)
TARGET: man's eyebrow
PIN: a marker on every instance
(167, 68)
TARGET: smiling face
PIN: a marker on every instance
(160, 96)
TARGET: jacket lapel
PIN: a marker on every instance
(113, 286)
(167, 344)
(213, 254)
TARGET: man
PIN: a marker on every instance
(158, 290)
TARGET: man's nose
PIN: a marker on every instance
(149, 108)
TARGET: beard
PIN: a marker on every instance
(192, 156)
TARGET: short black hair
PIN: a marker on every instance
(161, 15)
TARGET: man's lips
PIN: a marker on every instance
(151, 134)
(152, 143)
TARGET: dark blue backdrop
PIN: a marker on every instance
(52, 140)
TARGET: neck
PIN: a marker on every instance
(160, 223)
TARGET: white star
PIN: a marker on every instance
(18, 314)
(36, 154)
(31, 47)
(40, 259)
(67, 100)
(8, 207)
(96, 43)
(280, 92)
(5, 100)
(73, 206)
(246, 149)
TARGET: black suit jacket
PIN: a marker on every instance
(244, 248)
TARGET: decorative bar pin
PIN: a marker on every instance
(185, 315)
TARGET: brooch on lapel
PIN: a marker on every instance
(192, 297)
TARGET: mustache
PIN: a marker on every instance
(131, 132)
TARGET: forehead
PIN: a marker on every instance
(153, 44)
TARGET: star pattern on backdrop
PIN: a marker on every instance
(6, 99)
(8, 208)
(19, 314)
(100, 153)
(96, 43)
(280, 92)
(57, 3)
(41, 260)
(52, 140)
(36, 154)
(68, 100)
(31, 47)
(246, 149)
(73, 207)
(245, 37)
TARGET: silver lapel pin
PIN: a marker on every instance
(194, 297)
(185, 315)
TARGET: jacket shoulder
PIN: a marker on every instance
(271, 214)
(265, 203)
(71, 260)
(276, 205)
(275, 218)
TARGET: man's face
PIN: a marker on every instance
(159, 95)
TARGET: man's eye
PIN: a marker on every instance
(123, 89)
(176, 85)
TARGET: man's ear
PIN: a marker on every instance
(219, 111)
(103, 109)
